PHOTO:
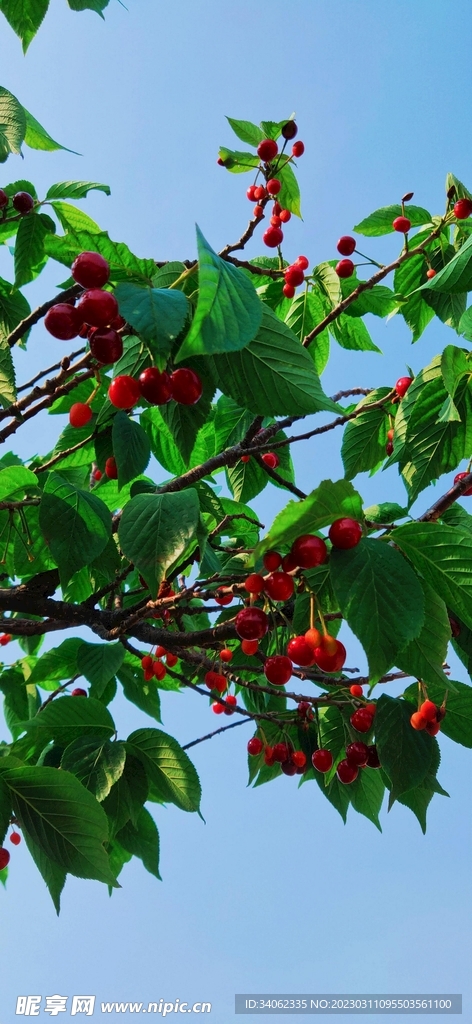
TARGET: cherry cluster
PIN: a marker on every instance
(292, 762)
(22, 202)
(153, 667)
(272, 161)
(429, 717)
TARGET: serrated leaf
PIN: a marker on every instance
(144, 694)
(415, 310)
(157, 314)
(131, 448)
(99, 663)
(53, 875)
(56, 665)
(97, 764)
(443, 556)
(12, 115)
(352, 333)
(246, 131)
(185, 421)
(13, 308)
(124, 265)
(229, 311)
(305, 312)
(156, 529)
(127, 796)
(381, 221)
(456, 276)
(70, 718)
(88, 5)
(75, 189)
(162, 443)
(29, 247)
(364, 438)
(142, 840)
(386, 512)
(380, 597)
(366, 794)
(38, 138)
(168, 767)
(405, 753)
(424, 656)
(433, 444)
(328, 502)
(24, 17)
(236, 161)
(75, 524)
(289, 195)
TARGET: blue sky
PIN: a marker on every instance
(273, 893)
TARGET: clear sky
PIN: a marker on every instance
(273, 893)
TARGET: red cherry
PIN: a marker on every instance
(309, 551)
(249, 647)
(346, 245)
(373, 760)
(258, 212)
(111, 469)
(255, 746)
(273, 237)
(146, 661)
(285, 216)
(279, 586)
(97, 307)
(322, 760)
(272, 560)
(428, 710)
(402, 385)
(63, 321)
(328, 644)
(433, 728)
(280, 752)
(90, 270)
(260, 192)
(274, 186)
(250, 193)
(278, 669)
(345, 533)
(330, 662)
(5, 639)
(3, 199)
(288, 768)
(171, 659)
(289, 563)
(390, 434)
(78, 692)
(254, 584)
(371, 708)
(4, 858)
(223, 599)
(15, 838)
(276, 209)
(288, 290)
(357, 753)
(155, 386)
(389, 448)
(289, 130)
(251, 623)
(245, 458)
(402, 224)
(275, 221)
(463, 208)
(303, 708)
(298, 149)
(460, 476)
(268, 756)
(299, 758)
(313, 637)
(267, 149)
(159, 670)
(271, 460)
(294, 275)
(220, 161)
(231, 700)
(226, 655)
(124, 391)
(160, 651)
(216, 681)
(217, 708)
(345, 268)
(300, 652)
(430, 273)
(346, 772)
(362, 720)
(79, 414)
(455, 628)
(417, 720)
(23, 202)
(97, 474)
(118, 323)
(106, 346)
(186, 386)
(356, 690)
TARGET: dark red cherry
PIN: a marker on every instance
(345, 533)
(106, 346)
(278, 669)
(63, 321)
(90, 270)
(251, 623)
(255, 746)
(357, 753)
(322, 760)
(186, 386)
(346, 772)
(97, 307)
(309, 551)
(300, 652)
(279, 586)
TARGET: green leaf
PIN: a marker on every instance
(38, 138)
(162, 443)
(5, 811)
(274, 375)
(465, 324)
(405, 753)
(62, 818)
(16, 478)
(73, 219)
(99, 663)
(12, 115)
(424, 656)
(246, 480)
(144, 694)
(380, 597)
(24, 17)
(75, 189)
(15, 700)
(75, 524)
(364, 438)
(124, 265)
(156, 529)
(229, 311)
(380, 222)
(98, 764)
(457, 723)
(366, 794)
(236, 161)
(157, 314)
(13, 308)
(305, 312)
(88, 5)
(434, 445)
(131, 448)
(29, 248)
(70, 718)
(289, 195)
(56, 665)
(127, 796)
(185, 421)
(443, 556)
(328, 502)
(246, 131)
(168, 767)
(379, 300)
(142, 841)
(52, 874)
(456, 276)
(407, 279)
(352, 334)
(7, 373)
